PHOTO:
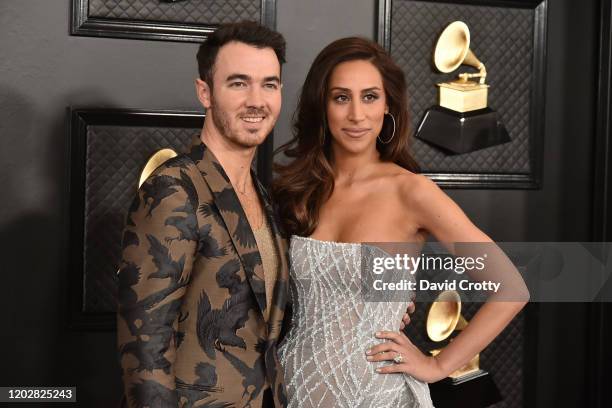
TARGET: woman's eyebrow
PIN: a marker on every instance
(339, 88)
(374, 88)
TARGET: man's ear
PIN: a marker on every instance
(204, 93)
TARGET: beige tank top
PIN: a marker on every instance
(269, 259)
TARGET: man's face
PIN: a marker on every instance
(246, 93)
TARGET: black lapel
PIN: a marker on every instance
(233, 216)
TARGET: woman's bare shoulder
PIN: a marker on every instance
(412, 186)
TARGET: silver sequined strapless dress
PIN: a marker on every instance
(323, 355)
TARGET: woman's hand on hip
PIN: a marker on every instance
(406, 356)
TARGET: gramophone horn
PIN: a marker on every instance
(452, 46)
(453, 49)
(154, 162)
(444, 316)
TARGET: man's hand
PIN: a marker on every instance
(406, 318)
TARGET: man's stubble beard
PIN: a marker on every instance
(222, 122)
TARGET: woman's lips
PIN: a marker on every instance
(355, 132)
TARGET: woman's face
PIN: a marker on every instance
(356, 106)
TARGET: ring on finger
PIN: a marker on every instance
(398, 358)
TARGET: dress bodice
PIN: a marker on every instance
(323, 354)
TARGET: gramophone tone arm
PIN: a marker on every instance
(482, 74)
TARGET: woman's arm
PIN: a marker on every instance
(441, 217)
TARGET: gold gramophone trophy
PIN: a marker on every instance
(469, 386)
(444, 317)
(157, 159)
(462, 122)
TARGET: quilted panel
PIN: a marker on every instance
(115, 156)
(193, 12)
(503, 358)
(502, 38)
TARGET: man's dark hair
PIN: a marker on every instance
(248, 32)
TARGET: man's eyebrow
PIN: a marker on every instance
(233, 77)
(243, 77)
(272, 78)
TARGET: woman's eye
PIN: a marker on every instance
(341, 98)
(370, 97)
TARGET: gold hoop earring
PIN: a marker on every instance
(323, 133)
(392, 134)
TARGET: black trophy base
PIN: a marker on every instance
(477, 390)
(457, 132)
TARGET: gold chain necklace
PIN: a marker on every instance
(258, 216)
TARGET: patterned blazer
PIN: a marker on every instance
(190, 319)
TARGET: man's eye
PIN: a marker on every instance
(237, 84)
(271, 85)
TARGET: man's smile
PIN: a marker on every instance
(252, 119)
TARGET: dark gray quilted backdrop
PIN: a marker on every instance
(194, 12)
(87, 71)
(502, 39)
(503, 358)
(115, 157)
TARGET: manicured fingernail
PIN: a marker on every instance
(368, 352)
(369, 358)
(378, 370)
(377, 334)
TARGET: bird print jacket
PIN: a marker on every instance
(191, 330)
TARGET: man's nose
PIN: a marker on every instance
(255, 97)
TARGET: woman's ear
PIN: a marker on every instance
(204, 93)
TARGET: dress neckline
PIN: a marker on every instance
(325, 242)
(341, 244)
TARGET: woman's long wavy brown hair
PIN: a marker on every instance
(307, 180)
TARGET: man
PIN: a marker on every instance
(203, 280)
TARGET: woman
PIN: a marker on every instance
(351, 179)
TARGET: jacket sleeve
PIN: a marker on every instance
(159, 246)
